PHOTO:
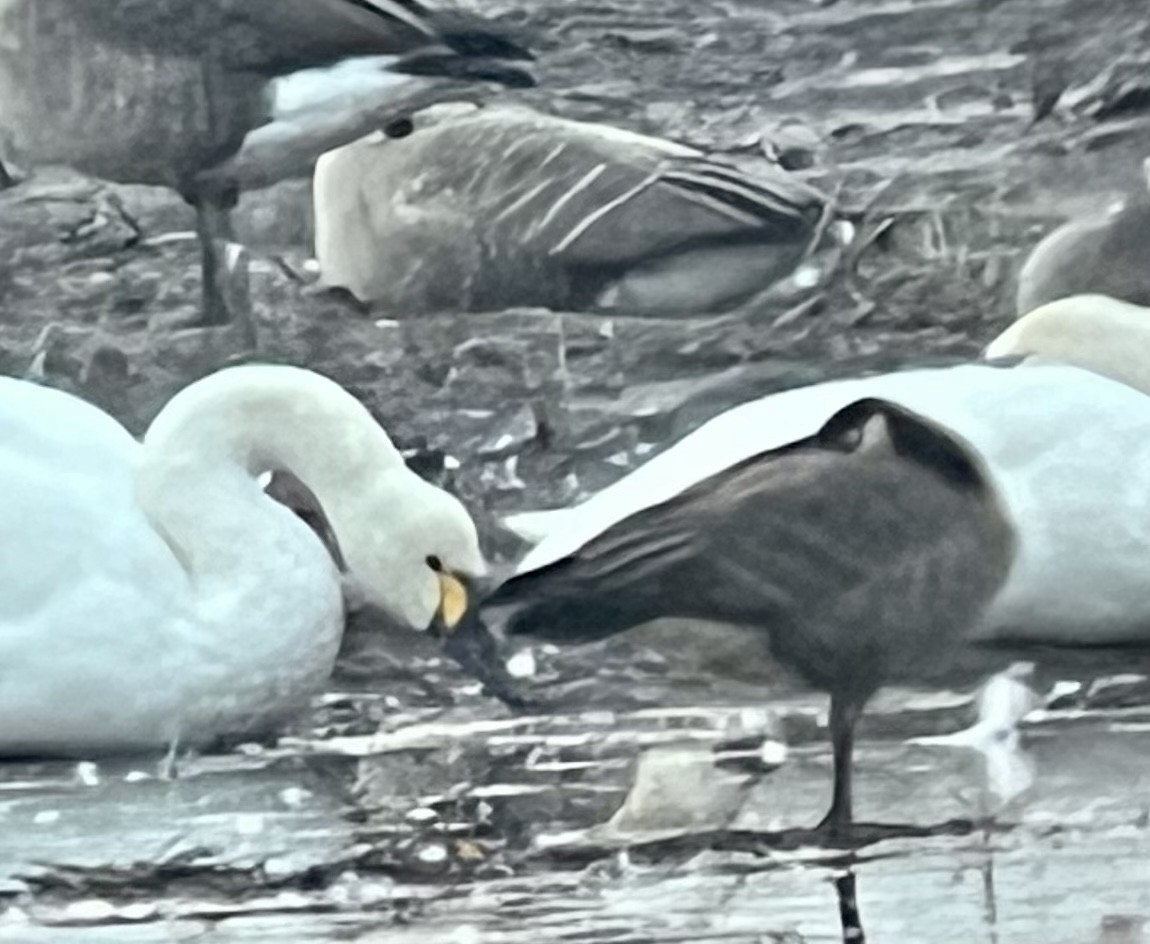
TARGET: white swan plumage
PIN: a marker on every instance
(1065, 435)
(153, 593)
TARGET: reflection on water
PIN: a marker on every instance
(492, 831)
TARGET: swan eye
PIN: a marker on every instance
(434, 563)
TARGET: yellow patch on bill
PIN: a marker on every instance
(452, 600)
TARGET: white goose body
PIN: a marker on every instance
(154, 593)
(1068, 450)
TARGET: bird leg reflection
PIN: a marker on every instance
(849, 908)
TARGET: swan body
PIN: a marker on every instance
(484, 208)
(153, 593)
(1067, 448)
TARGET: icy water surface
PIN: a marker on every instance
(459, 826)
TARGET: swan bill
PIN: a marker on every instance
(452, 601)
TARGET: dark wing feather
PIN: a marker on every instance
(588, 196)
(633, 211)
(766, 198)
(604, 588)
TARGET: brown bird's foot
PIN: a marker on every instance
(842, 841)
(852, 835)
(838, 823)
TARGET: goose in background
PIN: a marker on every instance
(1107, 253)
(860, 556)
(468, 207)
(154, 594)
(164, 92)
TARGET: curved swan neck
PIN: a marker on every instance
(267, 417)
(203, 452)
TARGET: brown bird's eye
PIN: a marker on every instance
(434, 563)
(400, 128)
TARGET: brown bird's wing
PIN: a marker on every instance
(649, 206)
(865, 549)
(589, 196)
(274, 37)
(609, 205)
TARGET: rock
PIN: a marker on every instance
(679, 787)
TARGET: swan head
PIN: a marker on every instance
(1094, 332)
(411, 550)
(406, 547)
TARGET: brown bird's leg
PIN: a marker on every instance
(6, 179)
(214, 228)
(226, 296)
(844, 713)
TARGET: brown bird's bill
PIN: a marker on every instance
(471, 645)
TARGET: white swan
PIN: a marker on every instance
(154, 594)
(1068, 448)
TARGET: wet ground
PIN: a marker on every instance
(448, 820)
(457, 823)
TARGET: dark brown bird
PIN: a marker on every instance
(162, 91)
(860, 556)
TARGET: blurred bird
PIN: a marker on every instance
(1106, 253)
(163, 91)
(482, 208)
